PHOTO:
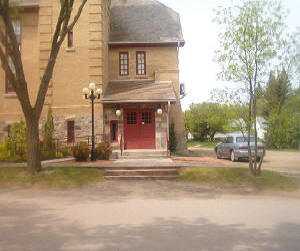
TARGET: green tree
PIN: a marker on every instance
(172, 138)
(48, 131)
(283, 130)
(277, 93)
(205, 119)
(252, 33)
(17, 77)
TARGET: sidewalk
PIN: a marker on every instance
(176, 162)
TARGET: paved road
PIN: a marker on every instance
(147, 216)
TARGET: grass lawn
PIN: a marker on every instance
(56, 177)
(236, 177)
(205, 144)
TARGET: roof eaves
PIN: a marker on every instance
(181, 43)
(25, 3)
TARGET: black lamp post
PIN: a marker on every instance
(92, 94)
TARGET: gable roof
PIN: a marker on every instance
(138, 91)
(143, 21)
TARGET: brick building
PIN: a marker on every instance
(129, 49)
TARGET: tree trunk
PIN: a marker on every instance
(33, 146)
(249, 131)
(255, 134)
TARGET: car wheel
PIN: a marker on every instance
(232, 156)
(218, 155)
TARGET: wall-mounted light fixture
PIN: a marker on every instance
(118, 110)
(159, 110)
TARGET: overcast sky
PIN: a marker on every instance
(197, 69)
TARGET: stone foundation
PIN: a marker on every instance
(82, 126)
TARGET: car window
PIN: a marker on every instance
(244, 139)
(229, 140)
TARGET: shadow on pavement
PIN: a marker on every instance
(27, 230)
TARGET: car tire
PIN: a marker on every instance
(218, 155)
(232, 156)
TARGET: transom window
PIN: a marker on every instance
(146, 118)
(124, 63)
(141, 63)
(131, 118)
(17, 29)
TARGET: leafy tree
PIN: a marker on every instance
(283, 129)
(237, 108)
(277, 93)
(32, 113)
(252, 33)
(206, 119)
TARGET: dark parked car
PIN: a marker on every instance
(235, 147)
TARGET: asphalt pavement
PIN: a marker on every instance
(151, 215)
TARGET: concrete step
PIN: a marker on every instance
(141, 172)
(145, 157)
(144, 154)
(140, 167)
(142, 177)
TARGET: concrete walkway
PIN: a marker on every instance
(286, 163)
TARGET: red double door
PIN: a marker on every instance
(139, 129)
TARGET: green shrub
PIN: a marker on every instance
(4, 153)
(17, 141)
(48, 145)
(172, 138)
(81, 151)
(14, 148)
(65, 152)
(50, 154)
(103, 151)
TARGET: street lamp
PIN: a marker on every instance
(92, 94)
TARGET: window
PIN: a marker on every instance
(244, 139)
(70, 131)
(70, 39)
(146, 118)
(229, 140)
(17, 29)
(113, 131)
(124, 63)
(9, 87)
(140, 63)
(131, 118)
(8, 129)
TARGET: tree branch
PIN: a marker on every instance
(58, 38)
(18, 81)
